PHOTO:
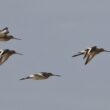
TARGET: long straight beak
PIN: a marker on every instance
(56, 75)
(19, 53)
(16, 38)
(107, 51)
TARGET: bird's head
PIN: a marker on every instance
(51, 74)
(14, 52)
(103, 50)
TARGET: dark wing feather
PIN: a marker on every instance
(3, 58)
(93, 48)
(80, 53)
(89, 58)
(86, 53)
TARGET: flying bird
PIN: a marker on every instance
(39, 76)
(4, 35)
(90, 52)
(5, 54)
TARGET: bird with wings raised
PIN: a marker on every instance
(89, 53)
(4, 35)
(5, 54)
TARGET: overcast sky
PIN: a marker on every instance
(51, 32)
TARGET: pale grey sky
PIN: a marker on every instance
(51, 32)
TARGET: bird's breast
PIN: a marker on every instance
(38, 78)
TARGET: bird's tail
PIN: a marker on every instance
(80, 53)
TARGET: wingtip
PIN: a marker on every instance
(85, 64)
(25, 78)
(74, 55)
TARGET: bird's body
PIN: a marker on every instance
(5, 54)
(39, 76)
(89, 53)
(4, 36)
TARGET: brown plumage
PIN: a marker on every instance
(4, 35)
(93, 52)
(39, 76)
(6, 54)
(89, 53)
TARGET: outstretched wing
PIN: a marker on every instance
(79, 53)
(89, 58)
(3, 58)
(86, 52)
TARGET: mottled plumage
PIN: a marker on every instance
(89, 53)
(4, 35)
(5, 54)
(39, 76)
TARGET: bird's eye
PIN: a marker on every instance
(0, 51)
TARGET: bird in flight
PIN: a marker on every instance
(40, 76)
(5, 54)
(90, 52)
(4, 35)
